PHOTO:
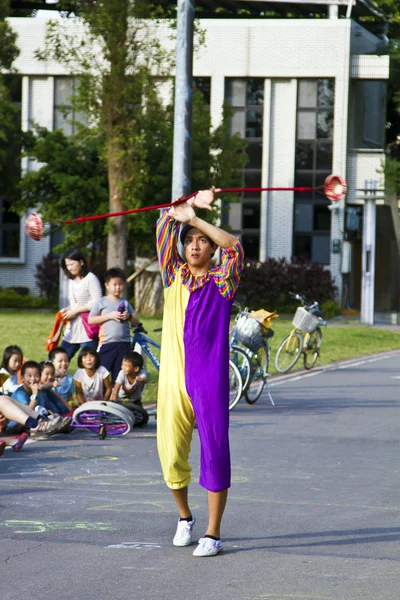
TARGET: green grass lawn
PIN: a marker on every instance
(30, 329)
(341, 342)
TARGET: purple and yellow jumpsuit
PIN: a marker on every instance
(194, 373)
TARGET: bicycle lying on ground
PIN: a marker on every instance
(305, 338)
(103, 418)
(252, 357)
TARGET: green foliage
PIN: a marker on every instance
(330, 309)
(9, 298)
(391, 8)
(8, 38)
(10, 143)
(391, 170)
(72, 182)
(9, 113)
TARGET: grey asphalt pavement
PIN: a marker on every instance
(313, 513)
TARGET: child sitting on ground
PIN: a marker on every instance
(52, 400)
(29, 394)
(12, 412)
(114, 315)
(11, 364)
(91, 378)
(64, 383)
(129, 386)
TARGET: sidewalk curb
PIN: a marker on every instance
(357, 360)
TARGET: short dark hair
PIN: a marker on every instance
(74, 254)
(85, 352)
(185, 230)
(135, 358)
(113, 273)
(59, 350)
(46, 363)
(30, 364)
(7, 354)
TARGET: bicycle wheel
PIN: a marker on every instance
(103, 416)
(259, 369)
(241, 360)
(288, 352)
(311, 351)
(140, 414)
(235, 385)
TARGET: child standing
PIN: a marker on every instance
(91, 378)
(114, 315)
(11, 364)
(64, 383)
(129, 386)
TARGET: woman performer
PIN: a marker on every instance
(194, 374)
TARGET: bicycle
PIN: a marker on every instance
(140, 337)
(252, 358)
(305, 337)
(103, 418)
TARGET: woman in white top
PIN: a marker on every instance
(84, 291)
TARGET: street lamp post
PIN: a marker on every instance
(368, 253)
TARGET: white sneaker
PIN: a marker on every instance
(208, 547)
(184, 532)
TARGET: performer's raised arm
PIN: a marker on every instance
(167, 233)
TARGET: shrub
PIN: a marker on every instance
(330, 309)
(9, 298)
(268, 284)
(47, 276)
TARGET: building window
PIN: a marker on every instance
(203, 85)
(9, 221)
(65, 115)
(9, 231)
(246, 96)
(313, 163)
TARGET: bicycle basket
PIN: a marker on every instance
(305, 321)
(250, 332)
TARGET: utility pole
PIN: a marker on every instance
(182, 152)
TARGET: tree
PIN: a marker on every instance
(9, 113)
(72, 179)
(115, 60)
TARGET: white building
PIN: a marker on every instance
(309, 95)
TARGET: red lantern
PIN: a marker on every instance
(34, 226)
(335, 188)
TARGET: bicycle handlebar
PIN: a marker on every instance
(303, 300)
(139, 328)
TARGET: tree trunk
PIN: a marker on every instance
(149, 297)
(117, 236)
(117, 129)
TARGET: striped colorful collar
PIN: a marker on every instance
(192, 282)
